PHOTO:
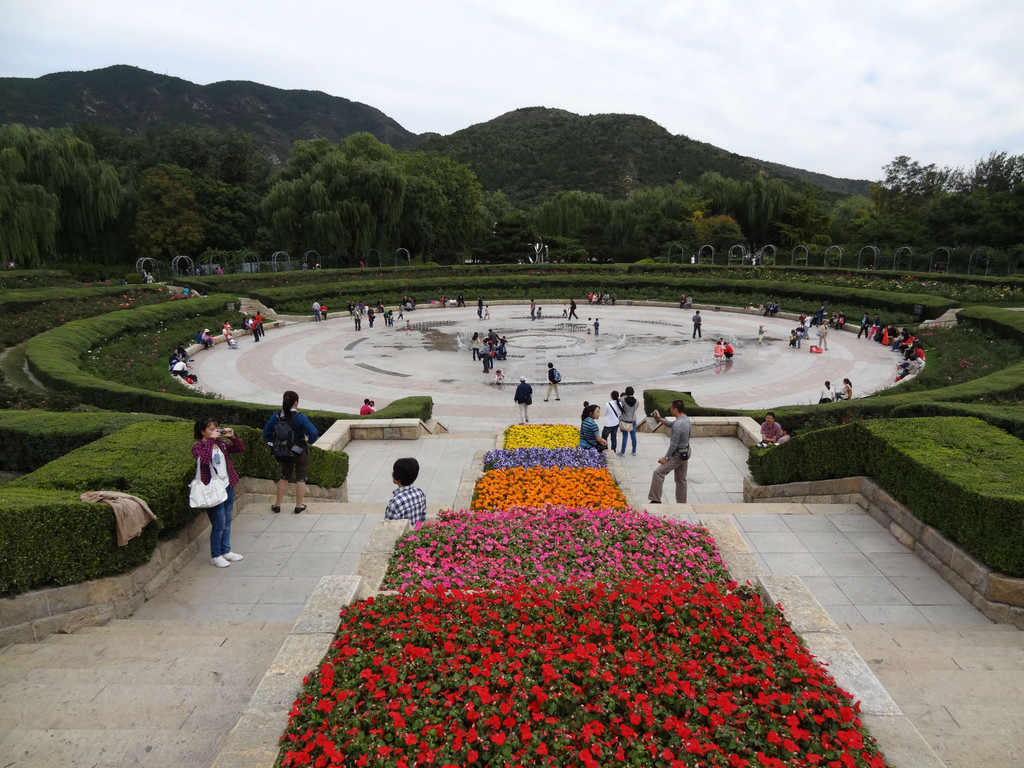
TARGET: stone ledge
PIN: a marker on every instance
(998, 597)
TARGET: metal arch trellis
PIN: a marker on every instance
(792, 255)
(931, 258)
(251, 262)
(146, 264)
(839, 260)
(407, 256)
(682, 253)
(874, 252)
(762, 260)
(380, 259)
(737, 253)
(277, 257)
(701, 259)
(181, 261)
(972, 262)
(896, 256)
(306, 259)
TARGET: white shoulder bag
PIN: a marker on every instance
(205, 496)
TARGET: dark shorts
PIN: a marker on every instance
(298, 468)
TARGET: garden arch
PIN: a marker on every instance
(896, 256)
(874, 256)
(282, 258)
(737, 254)
(183, 265)
(839, 257)
(709, 259)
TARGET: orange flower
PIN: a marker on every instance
(543, 487)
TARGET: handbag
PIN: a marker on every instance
(208, 495)
(684, 453)
(626, 426)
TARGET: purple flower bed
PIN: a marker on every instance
(572, 458)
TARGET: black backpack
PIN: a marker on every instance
(284, 447)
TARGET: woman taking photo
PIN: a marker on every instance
(213, 449)
(590, 433)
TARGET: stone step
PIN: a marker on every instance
(193, 628)
(315, 507)
(36, 748)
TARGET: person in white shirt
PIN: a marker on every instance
(612, 414)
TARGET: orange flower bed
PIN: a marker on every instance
(543, 487)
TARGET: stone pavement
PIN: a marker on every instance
(334, 367)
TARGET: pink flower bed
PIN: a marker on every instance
(489, 550)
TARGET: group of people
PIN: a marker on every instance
(829, 395)
(602, 298)
(773, 433)
(214, 447)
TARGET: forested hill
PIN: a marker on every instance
(133, 100)
(532, 153)
(529, 153)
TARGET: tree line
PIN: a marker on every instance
(91, 194)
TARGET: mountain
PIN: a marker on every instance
(134, 100)
(529, 153)
(532, 153)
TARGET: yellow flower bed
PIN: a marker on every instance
(547, 486)
(541, 436)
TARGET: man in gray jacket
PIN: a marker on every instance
(676, 459)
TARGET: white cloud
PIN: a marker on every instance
(835, 88)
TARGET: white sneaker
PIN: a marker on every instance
(220, 562)
(232, 556)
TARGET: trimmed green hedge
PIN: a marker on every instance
(525, 286)
(37, 437)
(960, 475)
(54, 358)
(48, 537)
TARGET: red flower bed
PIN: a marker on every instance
(642, 673)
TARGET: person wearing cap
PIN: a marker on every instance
(204, 338)
(523, 398)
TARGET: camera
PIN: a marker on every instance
(221, 431)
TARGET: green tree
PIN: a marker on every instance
(443, 205)
(340, 200)
(807, 221)
(168, 222)
(54, 194)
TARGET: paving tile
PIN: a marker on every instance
(870, 591)
(800, 564)
(765, 542)
(846, 564)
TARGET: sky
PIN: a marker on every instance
(838, 88)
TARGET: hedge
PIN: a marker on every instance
(54, 358)
(49, 538)
(958, 474)
(35, 438)
(628, 287)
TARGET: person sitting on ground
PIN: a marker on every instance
(181, 353)
(367, 407)
(826, 395)
(407, 502)
(846, 391)
(205, 338)
(590, 433)
(785, 437)
(719, 350)
(179, 368)
(499, 377)
(729, 351)
(771, 431)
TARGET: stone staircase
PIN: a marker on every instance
(131, 693)
(961, 685)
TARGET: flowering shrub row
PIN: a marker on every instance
(483, 550)
(544, 457)
(542, 487)
(541, 436)
(645, 673)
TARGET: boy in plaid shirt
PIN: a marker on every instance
(407, 502)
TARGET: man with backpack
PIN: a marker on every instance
(289, 435)
(554, 377)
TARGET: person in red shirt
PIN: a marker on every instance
(367, 408)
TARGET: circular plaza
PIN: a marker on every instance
(334, 367)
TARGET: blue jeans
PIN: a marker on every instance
(220, 525)
(631, 434)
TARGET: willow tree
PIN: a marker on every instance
(337, 199)
(54, 195)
